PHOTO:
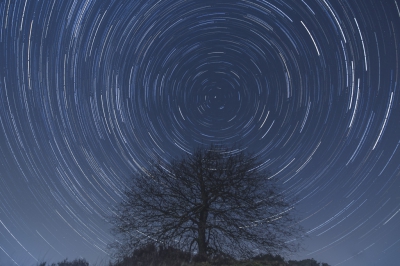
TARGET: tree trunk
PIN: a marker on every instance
(202, 236)
(203, 221)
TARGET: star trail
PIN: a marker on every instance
(92, 90)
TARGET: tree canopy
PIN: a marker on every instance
(214, 201)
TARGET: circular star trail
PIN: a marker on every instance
(92, 91)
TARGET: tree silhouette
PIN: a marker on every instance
(213, 202)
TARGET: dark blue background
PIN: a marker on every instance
(91, 91)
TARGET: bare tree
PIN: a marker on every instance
(212, 202)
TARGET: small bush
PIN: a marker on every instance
(306, 262)
(76, 262)
(268, 257)
(152, 255)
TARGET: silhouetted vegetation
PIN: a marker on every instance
(152, 255)
(306, 262)
(212, 207)
(76, 262)
(216, 202)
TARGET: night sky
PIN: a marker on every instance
(92, 90)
